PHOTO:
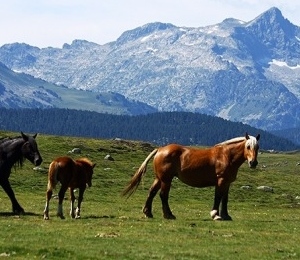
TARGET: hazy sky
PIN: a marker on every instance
(45, 23)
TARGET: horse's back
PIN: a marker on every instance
(61, 169)
(193, 166)
(175, 152)
(64, 161)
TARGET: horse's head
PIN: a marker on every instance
(251, 150)
(88, 168)
(30, 149)
(89, 174)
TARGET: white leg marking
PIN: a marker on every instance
(214, 215)
(46, 211)
(77, 213)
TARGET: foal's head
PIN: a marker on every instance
(251, 150)
(88, 168)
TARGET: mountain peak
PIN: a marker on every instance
(273, 14)
(270, 19)
(79, 44)
(143, 31)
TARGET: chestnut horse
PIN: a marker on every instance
(71, 174)
(216, 166)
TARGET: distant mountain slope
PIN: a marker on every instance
(241, 71)
(160, 128)
(19, 90)
(292, 134)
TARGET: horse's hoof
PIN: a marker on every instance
(169, 216)
(226, 217)
(148, 216)
(147, 213)
(18, 212)
(216, 217)
(77, 217)
(46, 218)
(61, 216)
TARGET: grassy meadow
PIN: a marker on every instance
(266, 225)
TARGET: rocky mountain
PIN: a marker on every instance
(241, 71)
(20, 90)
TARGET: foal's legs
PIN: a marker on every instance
(76, 213)
(80, 199)
(46, 210)
(16, 208)
(147, 210)
(61, 195)
(72, 198)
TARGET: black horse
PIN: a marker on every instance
(13, 151)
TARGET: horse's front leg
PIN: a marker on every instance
(61, 195)
(217, 200)
(80, 199)
(72, 198)
(221, 194)
(16, 208)
(224, 210)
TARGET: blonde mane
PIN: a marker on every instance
(232, 141)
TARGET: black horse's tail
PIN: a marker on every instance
(137, 177)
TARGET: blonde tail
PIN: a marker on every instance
(52, 175)
(136, 179)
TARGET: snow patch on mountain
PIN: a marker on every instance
(283, 64)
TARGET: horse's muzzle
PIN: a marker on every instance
(253, 164)
(38, 161)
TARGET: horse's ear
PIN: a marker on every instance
(93, 166)
(257, 137)
(247, 136)
(25, 137)
(35, 136)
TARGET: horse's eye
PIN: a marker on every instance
(248, 147)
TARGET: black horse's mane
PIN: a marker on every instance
(3, 141)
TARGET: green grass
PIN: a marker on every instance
(265, 224)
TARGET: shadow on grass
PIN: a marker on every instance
(11, 214)
(98, 217)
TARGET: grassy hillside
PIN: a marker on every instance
(265, 224)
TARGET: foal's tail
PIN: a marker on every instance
(52, 175)
(136, 179)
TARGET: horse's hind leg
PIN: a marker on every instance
(48, 197)
(147, 210)
(16, 208)
(164, 196)
(72, 198)
(61, 195)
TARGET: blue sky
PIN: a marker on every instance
(45, 23)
